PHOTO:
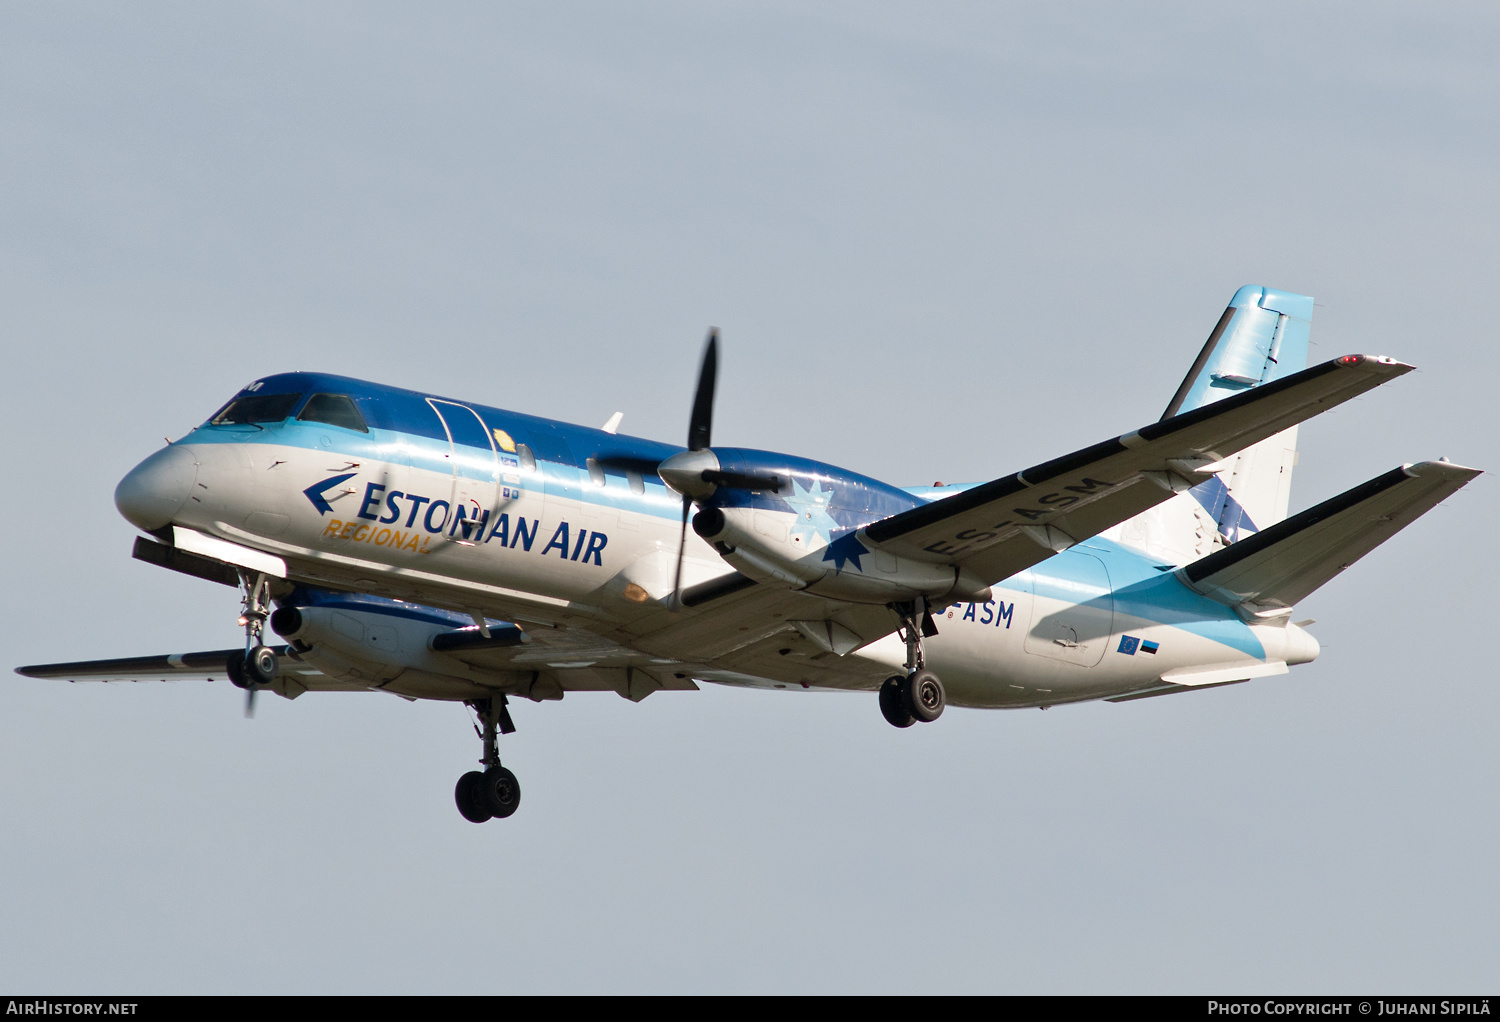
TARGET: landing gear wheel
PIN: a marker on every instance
(262, 665)
(498, 792)
(893, 703)
(467, 797)
(925, 697)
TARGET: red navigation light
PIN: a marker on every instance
(1351, 360)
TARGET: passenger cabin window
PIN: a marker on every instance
(334, 409)
(255, 409)
(596, 472)
(528, 459)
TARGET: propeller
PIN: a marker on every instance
(695, 473)
(240, 678)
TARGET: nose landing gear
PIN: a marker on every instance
(494, 793)
(258, 666)
(919, 695)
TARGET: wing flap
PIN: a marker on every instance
(998, 528)
(1272, 570)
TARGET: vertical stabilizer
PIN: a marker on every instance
(1261, 337)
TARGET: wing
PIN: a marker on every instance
(738, 630)
(209, 665)
(206, 666)
(1001, 527)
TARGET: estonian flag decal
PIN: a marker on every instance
(1129, 644)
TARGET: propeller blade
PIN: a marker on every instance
(629, 463)
(687, 508)
(250, 702)
(742, 480)
(700, 426)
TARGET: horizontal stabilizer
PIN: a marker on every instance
(1267, 573)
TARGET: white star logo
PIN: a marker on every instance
(814, 524)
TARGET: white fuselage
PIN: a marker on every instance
(412, 517)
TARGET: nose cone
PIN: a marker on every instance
(155, 490)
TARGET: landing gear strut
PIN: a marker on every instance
(494, 793)
(918, 696)
(258, 666)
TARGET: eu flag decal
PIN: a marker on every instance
(1150, 647)
(1129, 644)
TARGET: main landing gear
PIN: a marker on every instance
(495, 793)
(917, 696)
(258, 666)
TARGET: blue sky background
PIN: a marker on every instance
(942, 241)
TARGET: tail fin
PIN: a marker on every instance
(1268, 341)
(1261, 337)
(1265, 575)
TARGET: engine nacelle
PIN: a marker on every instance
(766, 546)
(411, 653)
(346, 644)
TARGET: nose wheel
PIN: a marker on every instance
(258, 666)
(493, 793)
(918, 695)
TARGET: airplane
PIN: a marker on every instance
(442, 549)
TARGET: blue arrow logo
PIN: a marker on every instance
(316, 490)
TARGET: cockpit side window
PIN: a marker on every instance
(256, 408)
(334, 409)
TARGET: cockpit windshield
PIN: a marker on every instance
(334, 409)
(256, 408)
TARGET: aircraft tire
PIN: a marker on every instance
(925, 697)
(498, 792)
(466, 794)
(893, 703)
(262, 664)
